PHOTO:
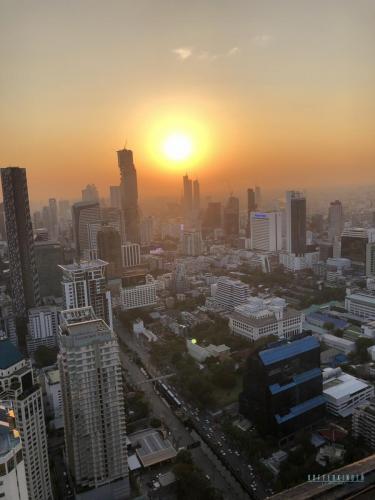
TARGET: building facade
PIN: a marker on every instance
(265, 230)
(131, 254)
(129, 194)
(93, 402)
(295, 223)
(83, 214)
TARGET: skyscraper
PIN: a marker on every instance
(84, 284)
(93, 402)
(232, 217)
(192, 242)
(90, 193)
(196, 203)
(19, 387)
(129, 194)
(295, 223)
(84, 213)
(212, 217)
(109, 250)
(53, 227)
(251, 207)
(24, 282)
(335, 220)
(188, 200)
(266, 231)
(115, 196)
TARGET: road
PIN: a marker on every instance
(221, 478)
(206, 426)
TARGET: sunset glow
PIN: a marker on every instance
(178, 147)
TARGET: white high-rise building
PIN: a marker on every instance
(12, 466)
(192, 244)
(19, 388)
(131, 254)
(230, 293)
(93, 402)
(84, 284)
(42, 327)
(265, 231)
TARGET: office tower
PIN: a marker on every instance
(12, 467)
(370, 259)
(84, 284)
(131, 254)
(188, 200)
(213, 216)
(282, 387)
(37, 220)
(64, 209)
(2, 223)
(258, 197)
(112, 216)
(251, 207)
(53, 228)
(83, 214)
(129, 194)
(93, 404)
(232, 217)
(109, 250)
(196, 203)
(147, 230)
(141, 293)
(48, 256)
(19, 388)
(363, 423)
(335, 220)
(354, 241)
(115, 196)
(24, 282)
(192, 244)
(230, 293)
(265, 230)
(42, 327)
(46, 217)
(295, 223)
(90, 193)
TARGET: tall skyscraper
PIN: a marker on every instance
(84, 284)
(93, 402)
(19, 387)
(24, 282)
(232, 217)
(90, 193)
(213, 216)
(84, 213)
(53, 228)
(295, 223)
(115, 196)
(129, 194)
(196, 203)
(265, 229)
(335, 220)
(188, 200)
(109, 250)
(251, 207)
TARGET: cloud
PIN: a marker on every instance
(233, 51)
(183, 53)
(262, 40)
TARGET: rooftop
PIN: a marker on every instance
(297, 410)
(289, 350)
(53, 376)
(83, 265)
(9, 354)
(151, 447)
(341, 384)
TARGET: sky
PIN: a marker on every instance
(278, 93)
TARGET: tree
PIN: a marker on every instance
(362, 345)
(328, 325)
(155, 422)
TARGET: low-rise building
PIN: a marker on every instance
(261, 317)
(339, 344)
(343, 392)
(360, 303)
(200, 353)
(143, 295)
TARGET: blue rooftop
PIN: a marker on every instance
(297, 410)
(285, 351)
(9, 354)
(297, 379)
(328, 318)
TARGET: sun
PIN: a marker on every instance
(178, 147)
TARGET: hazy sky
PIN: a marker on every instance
(274, 92)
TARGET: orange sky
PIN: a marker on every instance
(274, 93)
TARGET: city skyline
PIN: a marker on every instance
(281, 95)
